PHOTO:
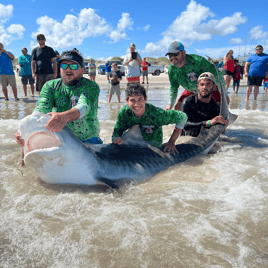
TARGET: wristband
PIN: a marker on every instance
(209, 123)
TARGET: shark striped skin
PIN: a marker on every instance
(64, 159)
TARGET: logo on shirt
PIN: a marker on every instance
(192, 77)
(148, 129)
(74, 100)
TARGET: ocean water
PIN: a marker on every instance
(211, 211)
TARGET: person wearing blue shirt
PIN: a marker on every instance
(26, 71)
(108, 70)
(7, 75)
(255, 69)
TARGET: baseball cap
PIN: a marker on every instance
(24, 48)
(40, 36)
(132, 45)
(175, 47)
(72, 56)
(207, 75)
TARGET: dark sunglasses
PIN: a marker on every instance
(41, 39)
(258, 48)
(65, 66)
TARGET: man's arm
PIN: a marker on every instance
(246, 69)
(10, 55)
(55, 68)
(173, 91)
(59, 120)
(119, 128)
(33, 69)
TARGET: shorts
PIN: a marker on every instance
(265, 84)
(41, 79)
(226, 72)
(6, 80)
(27, 78)
(94, 140)
(108, 74)
(93, 73)
(144, 73)
(236, 83)
(216, 96)
(255, 80)
(114, 88)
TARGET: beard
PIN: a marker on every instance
(207, 95)
(72, 82)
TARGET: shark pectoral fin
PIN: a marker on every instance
(232, 117)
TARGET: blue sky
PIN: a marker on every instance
(104, 29)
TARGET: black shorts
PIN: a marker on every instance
(255, 80)
(26, 78)
(226, 72)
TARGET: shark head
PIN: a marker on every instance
(55, 154)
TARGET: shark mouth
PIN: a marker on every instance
(41, 140)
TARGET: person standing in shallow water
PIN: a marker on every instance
(26, 71)
(7, 75)
(41, 63)
(255, 70)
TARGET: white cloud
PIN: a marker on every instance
(195, 24)
(125, 22)
(257, 33)
(236, 41)
(14, 31)
(73, 30)
(146, 28)
(102, 59)
(5, 12)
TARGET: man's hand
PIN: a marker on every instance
(57, 121)
(246, 74)
(168, 107)
(219, 120)
(118, 141)
(34, 76)
(19, 140)
(169, 147)
(55, 75)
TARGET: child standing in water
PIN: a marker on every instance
(265, 83)
(115, 78)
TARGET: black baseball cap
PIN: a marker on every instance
(72, 56)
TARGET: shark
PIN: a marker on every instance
(61, 158)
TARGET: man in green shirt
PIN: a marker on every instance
(184, 71)
(149, 118)
(71, 100)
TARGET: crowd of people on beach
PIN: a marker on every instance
(71, 99)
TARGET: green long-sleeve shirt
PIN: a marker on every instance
(150, 123)
(58, 97)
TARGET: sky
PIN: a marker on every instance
(104, 29)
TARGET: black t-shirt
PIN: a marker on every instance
(198, 113)
(119, 76)
(43, 59)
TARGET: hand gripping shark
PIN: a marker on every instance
(62, 158)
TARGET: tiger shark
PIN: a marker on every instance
(59, 157)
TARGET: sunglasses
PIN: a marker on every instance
(65, 66)
(258, 48)
(41, 39)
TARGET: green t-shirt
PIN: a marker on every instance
(58, 97)
(150, 123)
(187, 75)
